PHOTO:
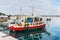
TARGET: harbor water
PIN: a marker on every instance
(52, 31)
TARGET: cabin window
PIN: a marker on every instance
(3, 19)
(36, 19)
(41, 19)
(22, 20)
(30, 20)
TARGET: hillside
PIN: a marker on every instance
(2, 13)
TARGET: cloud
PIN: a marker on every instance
(46, 8)
(41, 7)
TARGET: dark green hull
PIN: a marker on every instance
(17, 34)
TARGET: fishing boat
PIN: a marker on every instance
(3, 18)
(27, 23)
(22, 23)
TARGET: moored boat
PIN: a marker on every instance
(27, 23)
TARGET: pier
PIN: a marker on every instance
(5, 37)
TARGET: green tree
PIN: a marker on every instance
(2, 13)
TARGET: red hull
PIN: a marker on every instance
(25, 28)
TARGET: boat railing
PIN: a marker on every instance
(37, 23)
(34, 23)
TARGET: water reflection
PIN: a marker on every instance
(29, 35)
(54, 30)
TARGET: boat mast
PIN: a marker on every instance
(32, 11)
(33, 15)
(20, 10)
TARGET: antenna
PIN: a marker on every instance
(20, 10)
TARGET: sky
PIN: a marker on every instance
(41, 7)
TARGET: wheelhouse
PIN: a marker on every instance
(26, 21)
